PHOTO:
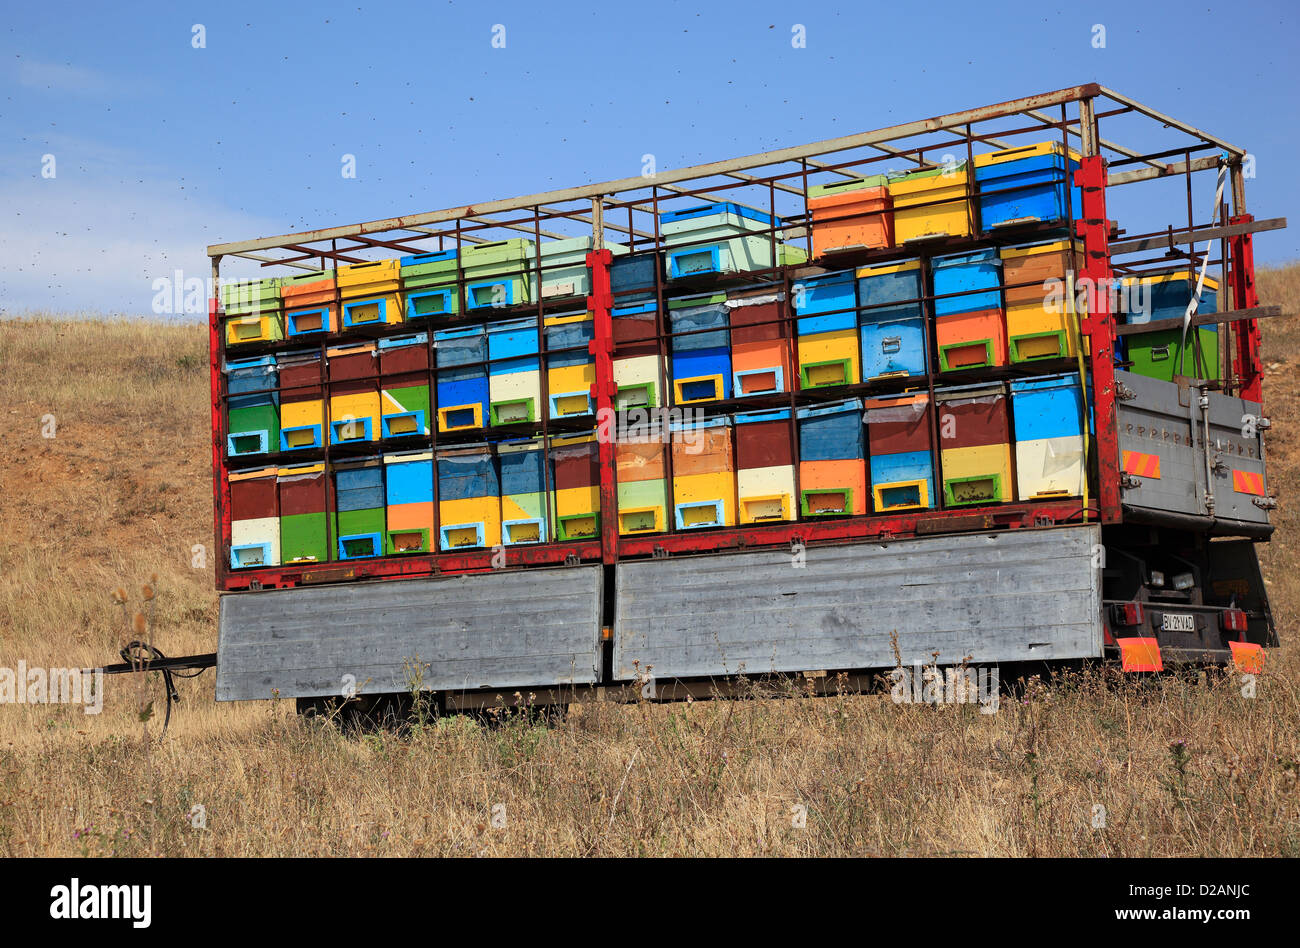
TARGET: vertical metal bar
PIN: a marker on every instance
(1099, 324)
(543, 395)
(928, 315)
(600, 303)
(220, 476)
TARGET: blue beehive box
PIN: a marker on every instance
(410, 481)
(253, 406)
(1049, 407)
(832, 432)
(429, 284)
(893, 333)
(462, 378)
(632, 278)
(1027, 185)
(725, 238)
(902, 481)
(701, 357)
(826, 294)
(359, 506)
(977, 276)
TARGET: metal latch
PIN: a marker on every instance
(572, 560)
(1129, 482)
(1265, 503)
(1123, 392)
(659, 552)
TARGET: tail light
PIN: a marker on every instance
(1128, 613)
(1232, 620)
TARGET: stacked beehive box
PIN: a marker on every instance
(446, 401)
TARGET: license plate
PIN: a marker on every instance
(1177, 622)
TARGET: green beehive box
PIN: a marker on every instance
(242, 297)
(429, 284)
(495, 273)
(303, 538)
(1159, 355)
(839, 187)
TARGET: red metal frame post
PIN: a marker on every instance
(1099, 325)
(601, 303)
(220, 484)
(1247, 366)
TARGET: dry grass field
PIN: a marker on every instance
(122, 494)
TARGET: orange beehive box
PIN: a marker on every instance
(826, 485)
(851, 214)
(309, 305)
(971, 340)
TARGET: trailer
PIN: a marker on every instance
(735, 301)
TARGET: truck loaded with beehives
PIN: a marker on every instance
(980, 389)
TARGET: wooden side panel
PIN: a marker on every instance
(514, 629)
(1016, 596)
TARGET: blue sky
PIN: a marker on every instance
(161, 148)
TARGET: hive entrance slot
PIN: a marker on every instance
(701, 261)
(358, 546)
(407, 542)
(575, 404)
(968, 355)
(579, 527)
(900, 495)
(764, 508)
(634, 396)
(637, 521)
(402, 425)
(826, 373)
(697, 390)
(461, 536)
(524, 532)
(365, 312)
(824, 502)
(431, 304)
(506, 413)
(1048, 346)
(251, 443)
(300, 438)
(308, 322)
(759, 382)
(974, 490)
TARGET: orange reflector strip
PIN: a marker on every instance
(1248, 657)
(1140, 655)
(1248, 482)
(606, 633)
(1141, 465)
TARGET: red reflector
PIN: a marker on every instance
(1248, 657)
(1140, 655)
(1129, 613)
(1232, 620)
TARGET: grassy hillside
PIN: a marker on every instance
(121, 496)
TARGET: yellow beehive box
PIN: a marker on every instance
(267, 327)
(977, 474)
(469, 523)
(766, 493)
(705, 500)
(371, 293)
(829, 358)
(354, 417)
(931, 203)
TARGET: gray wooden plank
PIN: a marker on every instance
(1020, 595)
(509, 629)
